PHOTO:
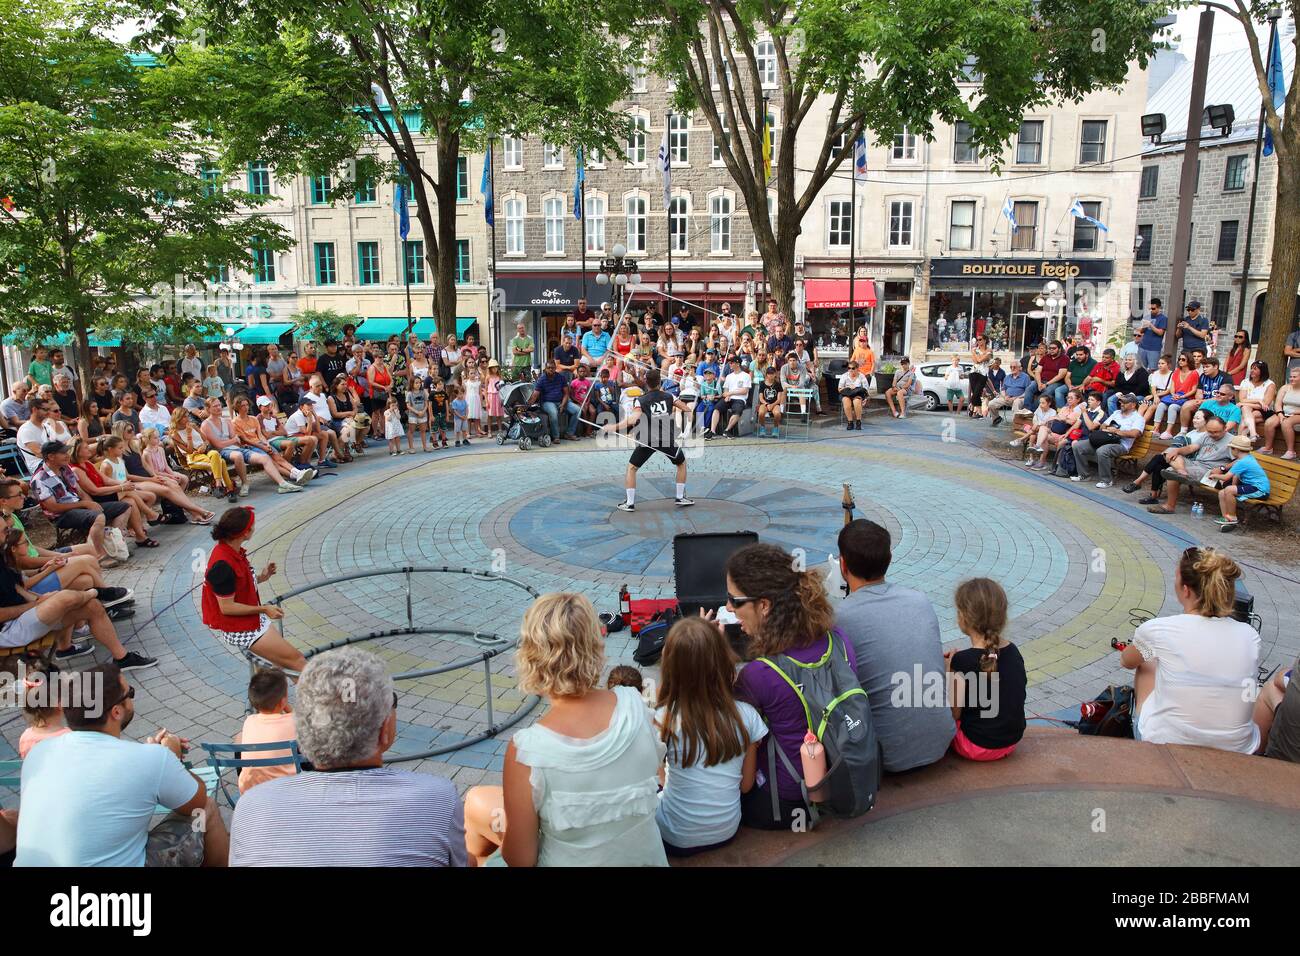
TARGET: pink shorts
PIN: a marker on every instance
(964, 748)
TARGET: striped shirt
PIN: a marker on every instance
(378, 816)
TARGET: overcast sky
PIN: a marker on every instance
(1228, 34)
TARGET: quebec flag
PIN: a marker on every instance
(1077, 212)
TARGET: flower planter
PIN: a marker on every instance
(884, 381)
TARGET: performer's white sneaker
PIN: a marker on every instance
(624, 506)
(684, 502)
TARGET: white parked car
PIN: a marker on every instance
(933, 387)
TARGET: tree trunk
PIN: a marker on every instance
(83, 351)
(1284, 271)
(442, 256)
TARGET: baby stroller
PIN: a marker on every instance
(524, 423)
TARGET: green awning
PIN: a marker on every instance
(214, 338)
(27, 341)
(378, 329)
(263, 333)
(463, 323)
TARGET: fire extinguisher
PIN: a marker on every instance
(625, 603)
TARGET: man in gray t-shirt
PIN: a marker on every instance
(1213, 452)
(1282, 697)
(895, 636)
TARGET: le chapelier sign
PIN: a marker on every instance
(1030, 270)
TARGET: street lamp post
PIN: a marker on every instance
(618, 271)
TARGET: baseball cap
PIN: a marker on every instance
(1194, 304)
(1128, 398)
(305, 400)
(263, 401)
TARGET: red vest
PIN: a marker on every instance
(245, 592)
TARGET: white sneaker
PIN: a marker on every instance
(624, 506)
(1076, 477)
(1016, 442)
(1104, 484)
(287, 489)
(244, 490)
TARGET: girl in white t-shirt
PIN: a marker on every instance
(1195, 681)
(711, 738)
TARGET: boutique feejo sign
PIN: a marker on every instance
(1033, 270)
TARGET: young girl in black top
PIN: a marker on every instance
(987, 679)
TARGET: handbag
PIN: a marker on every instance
(115, 544)
(1099, 439)
(1110, 713)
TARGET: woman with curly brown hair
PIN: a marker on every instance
(784, 610)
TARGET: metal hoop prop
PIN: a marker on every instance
(493, 644)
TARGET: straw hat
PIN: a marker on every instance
(1241, 443)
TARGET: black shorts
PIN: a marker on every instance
(81, 519)
(735, 406)
(644, 453)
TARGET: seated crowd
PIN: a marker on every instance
(620, 774)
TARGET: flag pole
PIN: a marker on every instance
(582, 232)
(853, 247)
(1254, 186)
(493, 317)
(668, 206)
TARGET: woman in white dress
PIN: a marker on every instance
(579, 787)
(1256, 396)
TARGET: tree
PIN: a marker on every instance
(877, 66)
(1284, 125)
(321, 325)
(458, 71)
(105, 198)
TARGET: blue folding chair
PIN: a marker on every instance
(222, 757)
(9, 451)
(210, 780)
(11, 773)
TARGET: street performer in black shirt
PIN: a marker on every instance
(653, 419)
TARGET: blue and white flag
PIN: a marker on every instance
(1009, 211)
(1076, 210)
(1276, 88)
(485, 188)
(860, 158)
(665, 166)
(403, 211)
(577, 186)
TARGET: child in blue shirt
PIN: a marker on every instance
(1244, 479)
(460, 416)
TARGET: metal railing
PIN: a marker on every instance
(494, 645)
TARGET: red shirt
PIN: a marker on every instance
(244, 590)
(1107, 372)
(1051, 367)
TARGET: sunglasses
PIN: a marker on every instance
(739, 602)
(129, 695)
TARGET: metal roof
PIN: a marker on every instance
(1230, 79)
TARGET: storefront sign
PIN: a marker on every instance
(1032, 270)
(542, 292)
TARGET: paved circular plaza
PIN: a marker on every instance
(1079, 564)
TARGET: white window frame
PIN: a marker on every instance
(898, 153)
(1105, 143)
(512, 147)
(595, 159)
(1042, 141)
(717, 217)
(679, 125)
(514, 202)
(1040, 218)
(685, 198)
(552, 156)
(641, 121)
(636, 76)
(974, 222)
(833, 217)
(595, 219)
(636, 247)
(1098, 237)
(551, 202)
(890, 203)
(768, 69)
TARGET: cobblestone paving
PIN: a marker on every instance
(1078, 563)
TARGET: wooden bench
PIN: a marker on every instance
(1139, 453)
(1283, 477)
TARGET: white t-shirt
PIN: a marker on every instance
(88, 799)
(1160, 380)
(736, 382)
(1205, 682)
(37, 435)
(320, 404)
(1127, 421)
(194, 366)
(700, 806)
(158, 417)
(296, 424)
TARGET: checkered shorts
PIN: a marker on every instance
(243, 640)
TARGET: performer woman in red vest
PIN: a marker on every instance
(231, 605)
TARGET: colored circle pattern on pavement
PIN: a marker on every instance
(1074, 566)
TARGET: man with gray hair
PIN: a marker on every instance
(352, 811)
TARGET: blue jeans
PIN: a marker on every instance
(1059, 391)
(1149, 359)
(553, 411)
